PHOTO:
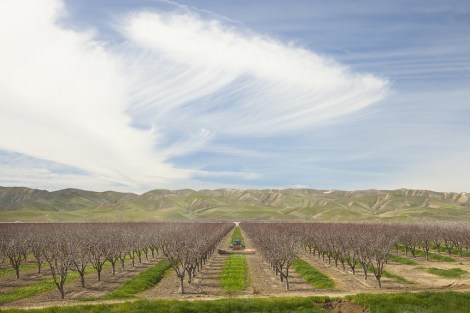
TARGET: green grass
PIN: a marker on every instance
(266, 305)
(6, 271)
(397, 278)
(401, 260)
(421, 302)
(439, 257)
(34, 289)
(432, 256)
(27, 291)
(465, 253)
(235, 274)
(237, 234)
(145, 280)
(451, 273)
(390, 275)
(443, 249)
(312, 275)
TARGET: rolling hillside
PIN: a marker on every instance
(24, 204)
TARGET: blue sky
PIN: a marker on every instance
(138, 95)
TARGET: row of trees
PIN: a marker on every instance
(444, 236)
(67, 247)
(351, 244)
(279, 243)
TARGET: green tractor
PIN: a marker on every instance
(237, 247)
(237, 244)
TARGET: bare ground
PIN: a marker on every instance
(343, 307)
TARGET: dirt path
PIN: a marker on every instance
(205, 284)
(344, 279)
(264, 280)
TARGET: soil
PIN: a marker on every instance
(343, 307)
(427, 281)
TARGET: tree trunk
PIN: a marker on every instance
(287, 280)
(82, 278)
(182, 284)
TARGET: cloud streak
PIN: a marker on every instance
(238, 82)
(121, 112)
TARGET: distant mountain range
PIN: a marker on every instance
(25, 204)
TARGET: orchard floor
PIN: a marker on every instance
(263, 282)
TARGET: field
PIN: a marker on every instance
(243, 283)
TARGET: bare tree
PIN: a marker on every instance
(15, 249)
(58, 254)
(80, 254)
(278, 243)
(186, 244)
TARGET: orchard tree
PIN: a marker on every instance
(58, 254)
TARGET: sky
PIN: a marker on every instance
(140, 95)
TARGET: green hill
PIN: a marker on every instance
(24, 204)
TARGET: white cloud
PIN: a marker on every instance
(63, 99)
(243, 175)
(447, 173)
(68, 98)
(249, 84)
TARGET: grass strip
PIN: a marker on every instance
(432, 256)
(420, 302)
(451, 273)
(143, 281)
(397, 278)
(6, 271)
(316, 278)
(237, 234)
(465, 252)
(265, 305)
(401, 260)
(235, 274)
(27, 291)
(33, 289)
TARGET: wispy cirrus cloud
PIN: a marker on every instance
(236, 82)
(120, 112)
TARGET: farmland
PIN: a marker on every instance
(69, 264)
